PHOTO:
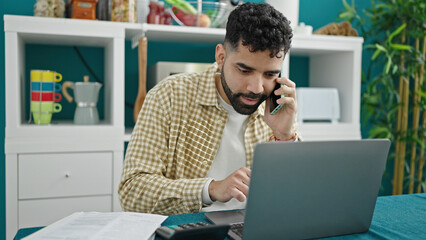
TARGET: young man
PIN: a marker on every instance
(192, 146)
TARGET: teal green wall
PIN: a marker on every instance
(313, 12)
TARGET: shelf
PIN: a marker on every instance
(312, 45)
(173, 33)
(61, 31)
(333, 62)
(329, 131)
(57, 28)
(23, 30)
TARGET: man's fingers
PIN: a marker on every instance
(287, 82)
(247, 171)
(289, 101)
(287, 90)
(244, 176)
(235, 186)
(243, 188)
(242, 182)
(237, 194)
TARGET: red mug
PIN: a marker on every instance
(45, 96)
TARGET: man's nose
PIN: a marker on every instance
(255, 85)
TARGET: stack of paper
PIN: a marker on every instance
(96, 225)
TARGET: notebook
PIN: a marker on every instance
(303, 190)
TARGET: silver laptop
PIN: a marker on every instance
(303, 190)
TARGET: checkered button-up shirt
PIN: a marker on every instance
(174, 143)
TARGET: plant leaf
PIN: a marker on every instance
(418, 141)
(396, 32)
(400, 46)
(372, 99)
(369, 46)
(346, 15)
(388, 65)
(394, 69)
(346, 5)
(379, 132)
(381, 48)
(382, 5)
(376, 54)
(421, 93)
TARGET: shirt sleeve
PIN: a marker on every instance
(206, 196)
(148, 182)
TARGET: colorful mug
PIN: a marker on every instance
(42, 118)
(42, 111)
(45, 107)
(45, 96)
(46, 86)
(45, 76)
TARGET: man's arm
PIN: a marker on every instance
(144, 186)
(283, 122)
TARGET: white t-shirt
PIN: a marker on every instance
(230, 156)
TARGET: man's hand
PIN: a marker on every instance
(281, 123)
(235, 185)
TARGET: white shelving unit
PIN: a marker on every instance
(57, 169)
(54, 170)
(334, 62)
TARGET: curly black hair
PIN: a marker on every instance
(259, 26)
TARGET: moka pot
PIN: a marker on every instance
(86, 97)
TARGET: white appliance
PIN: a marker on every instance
(289, 8)
(161, 70)
(318, 105)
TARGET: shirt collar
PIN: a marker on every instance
(207, 88)
(208, 94)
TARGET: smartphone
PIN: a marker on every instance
(274, 106)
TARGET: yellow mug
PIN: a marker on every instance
(45, 76)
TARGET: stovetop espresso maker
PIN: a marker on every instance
(86, 97)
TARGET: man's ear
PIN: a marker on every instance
(220, 55)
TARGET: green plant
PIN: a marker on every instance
(394, 97)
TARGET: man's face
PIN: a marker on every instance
(248, 78)
(252, 100)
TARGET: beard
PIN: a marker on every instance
(235, 98)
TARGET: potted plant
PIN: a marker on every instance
(394, 85)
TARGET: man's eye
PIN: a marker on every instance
(243, 70)
(272, 74)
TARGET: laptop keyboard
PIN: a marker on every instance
(236, 231)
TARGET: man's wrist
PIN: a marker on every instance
(291, 137)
